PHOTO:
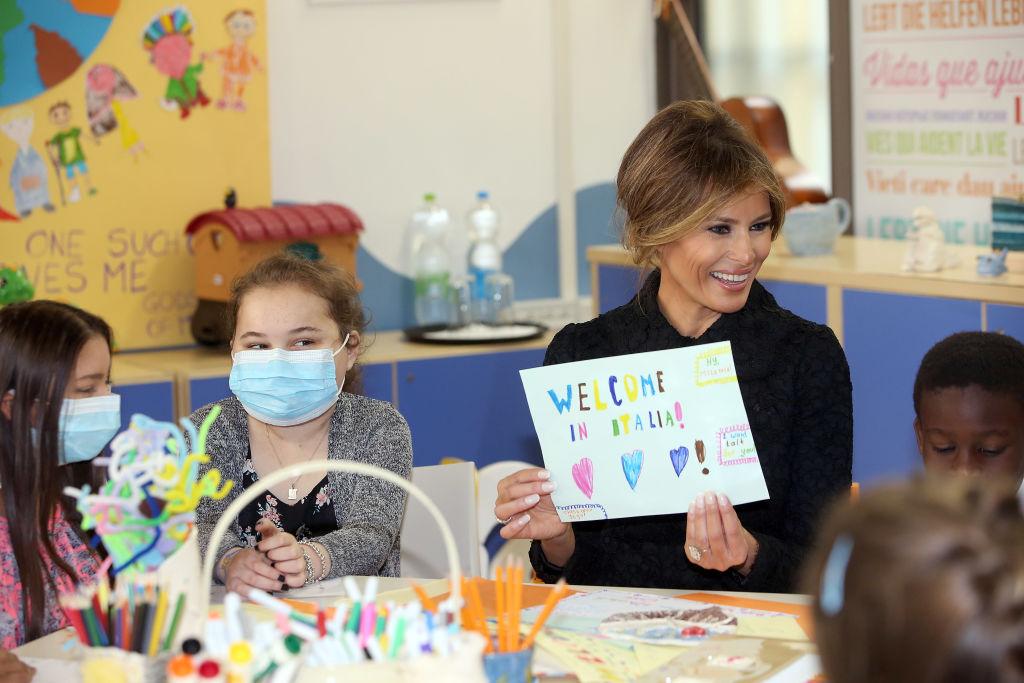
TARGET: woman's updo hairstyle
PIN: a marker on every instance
(689, 161)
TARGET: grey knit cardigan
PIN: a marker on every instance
(368, 511)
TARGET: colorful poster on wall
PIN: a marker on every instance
(643, 434)
(938, 119)
(120, 121)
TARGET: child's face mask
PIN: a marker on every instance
(285, 388)
(86, 426)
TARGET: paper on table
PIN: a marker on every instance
(728, 659)
(589, 658)
(785, 628)
(650, 657)
(641, 617)
(63, 670)
(643, 434)
(801, 612)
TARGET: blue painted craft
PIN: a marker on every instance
(631, 464)
(992, 264)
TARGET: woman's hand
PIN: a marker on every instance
(13, 670)
(524, 499)
(250, 568)
(283, 552)
(715, 539)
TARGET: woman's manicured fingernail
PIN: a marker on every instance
(280, 577)
(700, 502)
(284, 587)
(692, 509)
(531, 499)
(723, 500)
(709, 499)
(523, 520)
(543, 474)
(548, 486)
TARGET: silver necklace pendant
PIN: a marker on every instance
(293, 493)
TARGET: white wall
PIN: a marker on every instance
(375, 104)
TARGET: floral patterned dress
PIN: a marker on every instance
(311, 516)
(71, 548)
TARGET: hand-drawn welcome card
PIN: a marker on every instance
(643, 434)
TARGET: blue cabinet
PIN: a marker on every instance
(378, 381)
(152, 399)
(885, 337)
(469, 407)
(616, 285)
(1006, 319)
(807, 301)
(206, 390)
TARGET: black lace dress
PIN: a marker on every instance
(796, 388)
(307, 518)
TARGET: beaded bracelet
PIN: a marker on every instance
(309, 565)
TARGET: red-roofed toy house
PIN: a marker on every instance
(228, 242)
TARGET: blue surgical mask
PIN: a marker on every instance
(285, 388)
(86, 426)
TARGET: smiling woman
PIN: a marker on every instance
(703, 206)
(296, 327)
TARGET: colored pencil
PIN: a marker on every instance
(517, 603)
(499, 596)
(479, 615)
(556, 594)
(425, 600)
(157, 626)
(75, 617)
(138, 622)
(92, 623)
(172, 632)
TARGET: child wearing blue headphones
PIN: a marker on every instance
(295, 328)
(56, 414)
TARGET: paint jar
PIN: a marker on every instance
(104, 664)
(509, 667)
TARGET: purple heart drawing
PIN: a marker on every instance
(583, 475)
(631, 464)
(679, 457)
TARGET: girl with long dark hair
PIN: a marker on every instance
(56, 414)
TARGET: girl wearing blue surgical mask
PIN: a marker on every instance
(56, 414)
(295, 328)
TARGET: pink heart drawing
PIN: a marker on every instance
(583, 475)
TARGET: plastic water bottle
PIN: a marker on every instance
(432, 265)
(484, 253)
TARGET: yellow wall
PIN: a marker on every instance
(122, 253)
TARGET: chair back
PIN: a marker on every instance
(490, 544)
(453, 488)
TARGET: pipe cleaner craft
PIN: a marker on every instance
(146, 509)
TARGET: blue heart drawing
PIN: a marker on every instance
(631, 464)
(679, 457)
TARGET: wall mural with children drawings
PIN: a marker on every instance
(617, 433)
(162, 107)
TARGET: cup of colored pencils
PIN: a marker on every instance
(508, 656)
(139, 616)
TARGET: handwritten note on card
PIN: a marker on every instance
(643, 434)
